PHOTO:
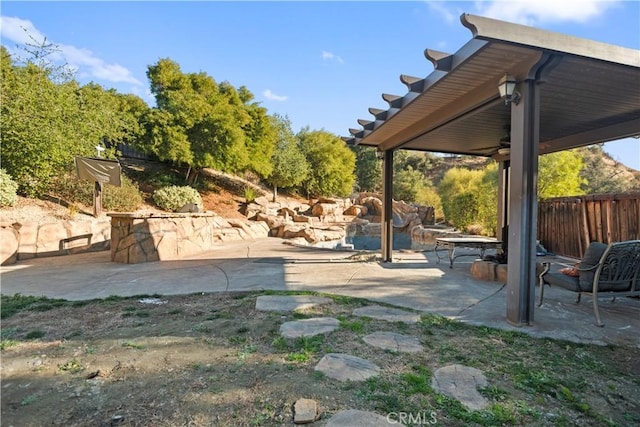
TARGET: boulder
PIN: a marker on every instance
(356, 210)
(324, 209)
(10, 239)
(373, 205)
(272, 221)
(303, 218)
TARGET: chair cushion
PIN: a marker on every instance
(591, 257)
(571, 283)
(570, 271)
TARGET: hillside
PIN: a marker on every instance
(599, 167)
(224, 193)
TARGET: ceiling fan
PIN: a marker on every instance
(503, 144)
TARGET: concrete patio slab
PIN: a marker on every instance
(413, 280)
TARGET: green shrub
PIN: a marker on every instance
(126, 198)
(69, 188)
(250, 193)
(120, 199)
(8, 189)
(429, 197)
(173, 198)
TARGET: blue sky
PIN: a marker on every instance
(323, 64)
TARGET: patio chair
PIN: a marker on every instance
(605, 271)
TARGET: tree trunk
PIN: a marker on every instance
(275, 193)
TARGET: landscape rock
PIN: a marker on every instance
(284, 303)
(309, 327)
(389, 314)
(272, 221)
(291, 231)
(373, 205)
(10, 238)
(427, 215)
(344, 367)
(394, 342)
(356, 210)
(250, 229)
(305, 411)
(303, 219)
(324, 209)
(461, 383)
(287, 212)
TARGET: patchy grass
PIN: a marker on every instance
(11, 305)
(214, 360)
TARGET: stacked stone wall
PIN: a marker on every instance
(31, 239)
(137, 238)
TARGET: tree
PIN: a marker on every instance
(559, 174)
(212, 125)
(407, 184)
(368, 169)
(48, 118)
(132, 109)
(458, 191)
(261, 140)
(331, 164)
(165, 138)
(487, 200)
(290, 167)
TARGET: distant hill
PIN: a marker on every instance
(605, 175)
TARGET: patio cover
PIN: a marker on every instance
(574, 92)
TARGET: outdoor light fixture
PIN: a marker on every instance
(507, 89)
(379, 154)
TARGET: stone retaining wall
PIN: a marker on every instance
(137, 238)
(489, 271)
(30, 239)
(424, 238)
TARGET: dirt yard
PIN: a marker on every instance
(214, 360)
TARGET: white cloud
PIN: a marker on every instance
(22, 31)
(529, 12)
(272, 96)
(440, 8)
(87, 62)
(328, 56)
(19, 30)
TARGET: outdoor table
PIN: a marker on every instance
(451, 243)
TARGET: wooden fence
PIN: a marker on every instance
(567, 225)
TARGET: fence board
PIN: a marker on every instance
(567, 225)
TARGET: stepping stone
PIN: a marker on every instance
(387, 313)
(305, 411)
(355, 418)
(394, 342)
(344, 367)
(461, 383)
(289, 302)
(309, 327)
